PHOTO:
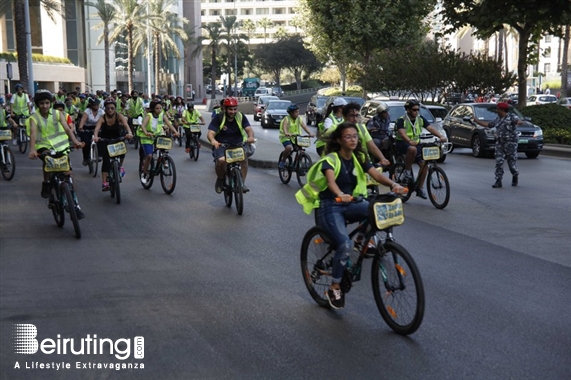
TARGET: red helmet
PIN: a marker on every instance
(230, 102)
(8, 96)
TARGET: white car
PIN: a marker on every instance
(262, 91)
(541, 99)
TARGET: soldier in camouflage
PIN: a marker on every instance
(506, 142)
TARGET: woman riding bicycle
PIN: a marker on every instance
(87, 125)
(112, 126)
(332, 183)
(291, 125)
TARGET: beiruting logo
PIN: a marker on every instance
(25, 342)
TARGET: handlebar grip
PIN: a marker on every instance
(338, 199)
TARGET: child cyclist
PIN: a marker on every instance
(291, 125)
(190, 116)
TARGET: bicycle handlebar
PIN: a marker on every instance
(361, 198)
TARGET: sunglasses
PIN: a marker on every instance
(415, 109)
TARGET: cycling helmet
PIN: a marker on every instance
(230, 102)
(411, 103)
(8, 97)
(109, 101)
(59, 105)
(82, 96)
(190, 105)
(42, 95)
(339, 102)
(92, 102)
(292, 107)
(18, 86)
(382, 107)
(1, 100)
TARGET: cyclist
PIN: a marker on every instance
(178, 108)
(20, 106)
(408, 137)
(218, 109)
(49, 131)
(229, 127)
(333, 117)
(152, 126)
(112, 126)
(89, 119)
(134, 107)
(378, 127)
(191, 116)
(5, 117)
(71, 110)
(332, 183)
(290, 125)
(61, 108)
(61, 95)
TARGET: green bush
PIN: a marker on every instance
(554, 120)
(13, 57)
(349, 91)
(312, 83)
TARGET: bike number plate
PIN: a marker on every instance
(195, 128)
(117, 149)
(5, 134)
(430, 153)
(164, 143)
(56, 164)
(303, 142)
(388, 214)
(235, 155)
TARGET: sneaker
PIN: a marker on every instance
(219, 186)
(421, 193)
(281, 165)
(514, 180)
(336, 298)
(15, 142)
(144, 178)
(105, 186)
(122, 171)
(79, 213)
(187, 150)
(245, 189)
(85, 162)
(46, 190)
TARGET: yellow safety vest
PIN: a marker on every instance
(20, 106)
(50, 133)
(413, 132)
(149, 127)
(238, 118)
(322, 135)
(294, 127)
(190, 117)
(3, 122)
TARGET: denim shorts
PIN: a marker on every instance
(147, 149)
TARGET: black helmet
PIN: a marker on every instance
(411, 103)
(109, 101)
(59, 104)
(292, 107)
(92, 102)
(42, 95)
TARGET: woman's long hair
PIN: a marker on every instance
(332, 145)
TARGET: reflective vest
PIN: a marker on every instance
(364, 136)
(157, 131)
(49, 132)
(190, 117)
(412, 131)
(308, 196)
(83, 105)
(3, 122)
(20, 105)
(135, 108)
(294, 127)
(71, 111)
(323, 134)
(238, 119)
(61, 98)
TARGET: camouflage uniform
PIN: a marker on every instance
(506, 144)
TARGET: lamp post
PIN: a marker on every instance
(148, 54)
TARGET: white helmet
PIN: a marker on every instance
(382, 107)
(339, 102)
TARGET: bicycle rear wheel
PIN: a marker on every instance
(94, 160)
(438, 187)
(398, 288)
(285, 173)
(303, 166)
(397, 174)
(168, 175)
(316, 264)
(180, 135)
(116, 181)
(57, 207)
(9, 164)
(66, 191)
(22, 141)
(238, 193)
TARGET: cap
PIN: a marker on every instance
(339, 102)
(503, 106)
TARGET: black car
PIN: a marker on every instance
(274, 113)
(463, 133)
(314, 109)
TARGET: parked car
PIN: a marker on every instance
(277, 91)
(262, 91)
(275, 111)
(463, 133)
(349, 99)
(565, 102)
(314, 109)
(260, 104)
(541, 99)
(396, 110)
(510, 99)
(438, 112)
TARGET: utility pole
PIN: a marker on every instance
(31, 89)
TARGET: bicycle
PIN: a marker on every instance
(180, 130)
(438, 186)
(22, 137)
(300, 163)
(136, 122)
(115, 148)
(61, 187)
(397, 284)
(93, 163)
(161, 165)
(233, 182)
(194, 143)
(8, 162)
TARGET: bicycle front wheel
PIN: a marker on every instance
(22, 141)
(196, 148)
(397, 174)
(303, 166)
(66, 191)
(180, 135)
(168, 175)
(116, 182)
(285, 172)
(9, 164)
(238, 193)
(94, 160)
(398, 288)
(316, 264)
(228, 186)
(438, 187)
(57, 207)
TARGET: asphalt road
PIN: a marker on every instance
(220, 296)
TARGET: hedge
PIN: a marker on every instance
(554, 120)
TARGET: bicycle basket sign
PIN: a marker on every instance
(164, 143)
(195, 128)
(430, 153)
(117, 149)
(235, 155)
(5, 134)
(388, 214)
(56, 164)
(303, 141)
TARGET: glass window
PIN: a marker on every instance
(548, 38)
(279, 11)
(246, 12)
(262, 11)
(547, 67)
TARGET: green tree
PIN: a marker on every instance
(530, 18)
(299, 59)
(265, 23)
(107, 13)
(215, 37)
(232, 39)
(249, 27)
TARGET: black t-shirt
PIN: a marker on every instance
(346, 180)
(230, 133)
(112, 131)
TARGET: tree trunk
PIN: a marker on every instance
(565, 63)
(524, 36)
(213, 75)
(500, 44)
(106, 47)
(157, 65)
(130, 57)
(297, 75)
(21, 49)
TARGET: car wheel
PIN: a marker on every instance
(263, 124)
(531, 154)
(256, 118)
(477, 149)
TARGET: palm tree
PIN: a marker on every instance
(215, 36)
(265, 23)
(164, 26)
(107, 13)
(130, 19)
(229, 26)
(249, 27)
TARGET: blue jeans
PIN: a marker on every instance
(332, 217)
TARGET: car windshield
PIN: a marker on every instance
(489, 113)
(279, 105)
(397, 111)
(267, 100)
(439, 112)
(321, 102)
